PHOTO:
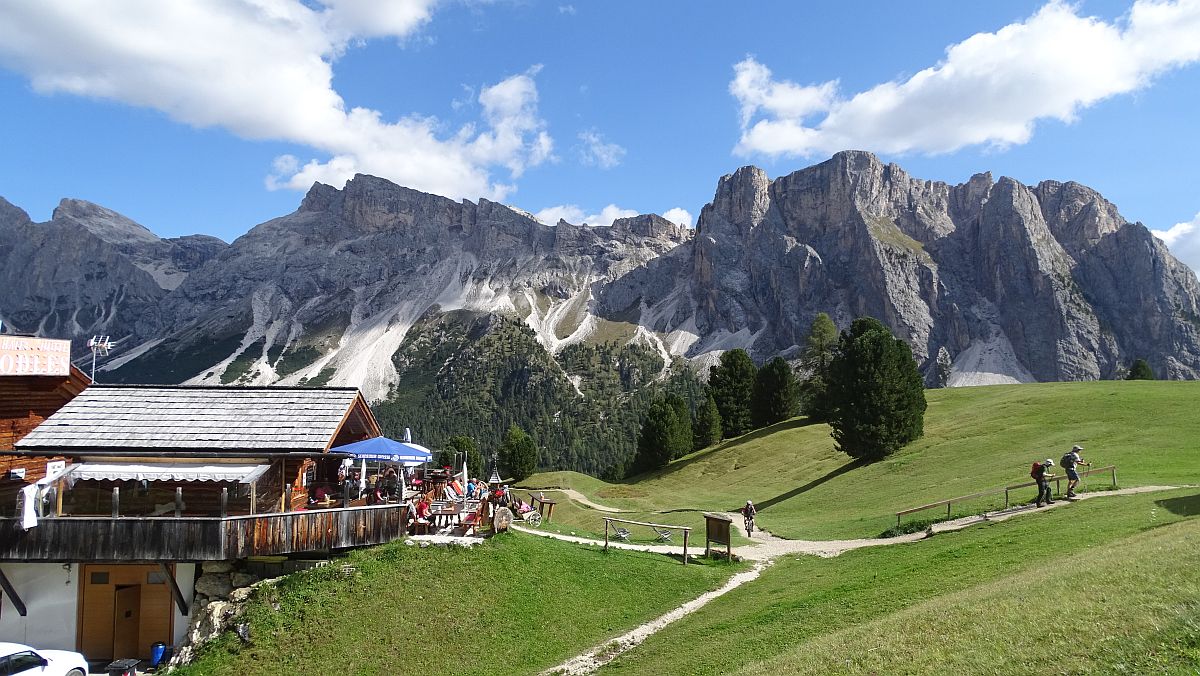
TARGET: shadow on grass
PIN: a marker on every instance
(1187, 505)
(802, 421)
(853, 464)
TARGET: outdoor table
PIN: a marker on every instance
(445, 517)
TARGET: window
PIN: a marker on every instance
(156, 577)
(22, 662)
(100, 577)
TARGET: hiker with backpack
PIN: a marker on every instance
(1038, 472)
(1070, 461)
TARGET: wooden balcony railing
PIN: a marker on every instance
(87, 538)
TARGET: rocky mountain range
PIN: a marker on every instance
(999, 281)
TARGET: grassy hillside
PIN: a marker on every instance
(1102, 586)
(515, 604)
(975, 438)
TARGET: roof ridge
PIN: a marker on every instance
(293, 388)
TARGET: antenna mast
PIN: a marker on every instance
(99, 346)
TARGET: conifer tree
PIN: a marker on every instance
(656, 437)
(1140, 370)
(706, 428)
(461, 443)
(876, 391)
(518, 453)
(775, 393)
(681, 432)
(818, 355)
(732, 382)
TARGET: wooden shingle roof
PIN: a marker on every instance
(151, 417)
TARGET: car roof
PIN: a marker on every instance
(10, 648)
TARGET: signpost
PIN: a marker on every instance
(716, 531)
(23, 356)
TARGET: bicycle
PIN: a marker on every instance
(749, 525)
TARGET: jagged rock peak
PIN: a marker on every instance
(319, 197)
(652, 225)
(11, 213)
(105, 223)
(740, 203)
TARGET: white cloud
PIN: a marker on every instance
(566, 9)
(262, 69)
(679, 216)
(989, 89)
(572, 213)
(1184, 241)
(597, 152)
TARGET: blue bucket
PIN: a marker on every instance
(156, 653)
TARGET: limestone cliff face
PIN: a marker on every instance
(994, 280)
(88, 271)
(1013, 283)
(327, 294)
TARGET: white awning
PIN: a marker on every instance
(164, 471)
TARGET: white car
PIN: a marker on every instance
(21, 660)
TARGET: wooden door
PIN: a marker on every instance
(103, 624)
(127, 619)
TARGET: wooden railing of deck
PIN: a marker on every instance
(85, 538)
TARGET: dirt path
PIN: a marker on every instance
(768, 547)
(603, 654)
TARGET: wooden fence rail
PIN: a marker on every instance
(1058, 479)
(666, 526)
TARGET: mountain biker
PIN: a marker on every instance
(748, 513)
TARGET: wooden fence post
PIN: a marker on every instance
(1114, 476)
(606, 535)
(685, 543)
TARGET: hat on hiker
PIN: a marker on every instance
(1077, 447)
(1048, 463)
(749, 503)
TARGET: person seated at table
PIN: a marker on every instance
(318, 493)
(471, 486)
(423, 510)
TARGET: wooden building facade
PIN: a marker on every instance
(159, 479)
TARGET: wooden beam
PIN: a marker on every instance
(12, 595)
(180, 602)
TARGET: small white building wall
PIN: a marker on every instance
(51, 593)
(185, 577)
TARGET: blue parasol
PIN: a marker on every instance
(386, 450)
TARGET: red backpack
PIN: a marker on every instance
(1033, 471)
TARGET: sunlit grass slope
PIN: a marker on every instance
(975, 439)
(514, 604)
(1102, 586)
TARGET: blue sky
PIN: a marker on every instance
(214, 116)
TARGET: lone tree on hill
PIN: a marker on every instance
(656, 438)
(876, 391)
(518, 453)
(461, 443)
(818, 355)
(706, 428)
(681, 433)
(1140, 371)
(775, 393)
(732, 383)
